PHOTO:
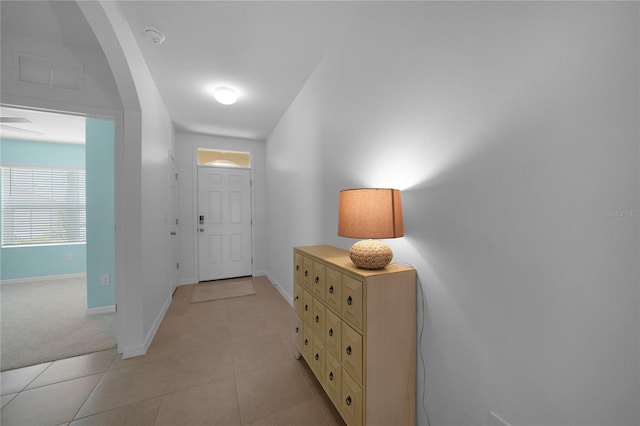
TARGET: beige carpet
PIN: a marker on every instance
(217, 290)
(45, 321)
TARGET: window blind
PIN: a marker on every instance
(43, 206)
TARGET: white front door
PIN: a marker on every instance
(224, 222)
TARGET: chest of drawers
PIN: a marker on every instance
(356, 329)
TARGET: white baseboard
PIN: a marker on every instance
(188, 281)
(43, 278)
(102, 310)
(284, 294)
(139, 350)
(133, 351)
(156, 324)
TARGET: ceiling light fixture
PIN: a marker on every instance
(154, 35)
(225, 96)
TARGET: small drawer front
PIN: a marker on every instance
(317, 359)
(333, 378)
(333, 286)
(352, 404)
(318, 282)
(307, 342)
(352, 300)
(351, 355)
(308, 273)
(298, 299)
(332, 332)
(298, 332)
(298, 268)
(307, 307)
(318, 319)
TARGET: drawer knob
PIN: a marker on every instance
(306, 342)
(296, 298)
(331, 332)
(296, 329)
(297, 267)
(317, 280)
(348, 351)
(331, 289)
(306, 307)
(348, 400)
(317, 318)
(317, 357)
(331, 375)
(306, 273)
(349, 300)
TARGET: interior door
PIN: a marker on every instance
(224, 222)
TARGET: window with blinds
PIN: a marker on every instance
(43, 206)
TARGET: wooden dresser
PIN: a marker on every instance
(357, 331)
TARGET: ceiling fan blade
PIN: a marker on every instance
(19, 130)
(14, 120)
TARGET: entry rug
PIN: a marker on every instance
(222, 290)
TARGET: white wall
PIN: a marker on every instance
(99, 94)
(186, 151)
(149, 140)
(512, 129)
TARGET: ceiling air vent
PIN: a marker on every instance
(47, 72)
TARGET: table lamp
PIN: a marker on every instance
(370, 213)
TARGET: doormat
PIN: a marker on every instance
(222, 290)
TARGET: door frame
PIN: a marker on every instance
(117, 117)
(194, 180)
(174, 226)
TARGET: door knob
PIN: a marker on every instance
(201, 229)
(173, 232)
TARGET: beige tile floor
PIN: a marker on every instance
(225, 362)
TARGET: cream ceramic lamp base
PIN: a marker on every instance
(370, 254)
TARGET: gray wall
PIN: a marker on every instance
(512, 129)
(99, 94)
(144, 262)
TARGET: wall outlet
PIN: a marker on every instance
(104, 280)
(69, 257)
(496, 420)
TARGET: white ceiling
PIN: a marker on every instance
(42, 126)
(264, 50)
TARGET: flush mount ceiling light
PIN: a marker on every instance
(154, 35)
(225, 96)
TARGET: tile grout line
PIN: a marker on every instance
(16, 394)
(65, 380)
(155, 419)
(233, 362)
(87, 397)
(235, 385)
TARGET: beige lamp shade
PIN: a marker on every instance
(370, 213)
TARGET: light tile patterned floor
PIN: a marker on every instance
(226, 362)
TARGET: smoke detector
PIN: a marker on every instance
(154, 35)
